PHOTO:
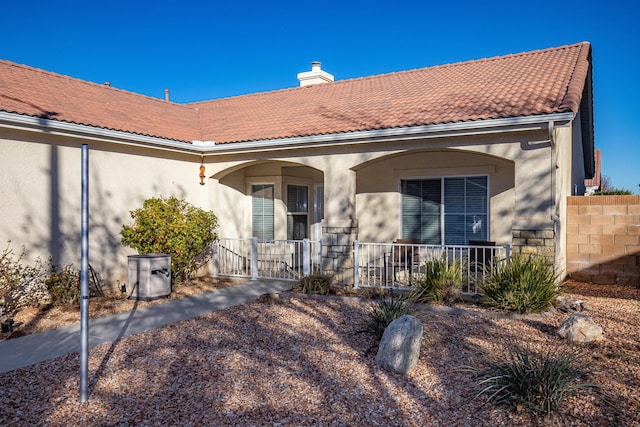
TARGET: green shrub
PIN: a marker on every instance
(622, 192)
(20, 284)
(318, 283)
(386, 310)
(172, 226)
(440, 281)
(64, 284)
(536, 383)
(526, 284)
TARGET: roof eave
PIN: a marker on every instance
(85, 132)
(477, 127)
(443, 130)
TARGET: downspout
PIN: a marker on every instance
(553, 214)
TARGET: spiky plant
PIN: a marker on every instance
(439, 281)
(526, 284)
(386, 310)
(537, 383)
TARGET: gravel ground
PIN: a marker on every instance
(303, 362)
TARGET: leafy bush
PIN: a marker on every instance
(441, 281)
(386, 310)
(20, 285)
(536, 383)
(175, 227)
(318, 283)
(64, 284)
(526, 284)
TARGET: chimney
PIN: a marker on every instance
(315, 76)
(108, 84)
(166, 94)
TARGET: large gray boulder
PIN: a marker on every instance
(580, 328)
(400, 346)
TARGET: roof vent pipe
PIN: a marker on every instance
(315, 76)
(166, 94)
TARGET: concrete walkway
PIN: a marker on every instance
(30, 349)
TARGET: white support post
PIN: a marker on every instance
(216, 259)
(306, 257)
(356, 263)
(254, 258)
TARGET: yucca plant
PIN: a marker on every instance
(526, 284)
(537, 383)
(386, 310)
(439, 281)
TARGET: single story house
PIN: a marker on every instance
(484, 150)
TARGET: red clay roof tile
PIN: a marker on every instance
(38, 93)
(532, 83)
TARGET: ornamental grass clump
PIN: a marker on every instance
(526, 284)
(536, 383)
(318, 283)
(439, 281)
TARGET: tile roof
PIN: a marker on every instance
(532, 83)
(38, 93)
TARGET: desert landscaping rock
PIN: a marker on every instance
(399, 348)
(580, 328)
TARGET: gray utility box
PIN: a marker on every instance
(150, 275)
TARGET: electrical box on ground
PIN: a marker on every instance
(150, 276)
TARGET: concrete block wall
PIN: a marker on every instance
(603, 239)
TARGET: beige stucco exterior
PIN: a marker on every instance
(530, 173)
(41, 195)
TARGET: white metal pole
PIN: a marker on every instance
(84, 278)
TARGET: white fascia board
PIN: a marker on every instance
(55, 127)
(479, 127)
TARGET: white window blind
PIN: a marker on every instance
(262, 211)
(449, 211)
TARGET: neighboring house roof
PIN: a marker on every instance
(595, 181)
(532, 83)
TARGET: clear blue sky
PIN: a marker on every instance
(208, 49)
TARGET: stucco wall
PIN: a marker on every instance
(41, 195)
(378, 197)
(41, 186)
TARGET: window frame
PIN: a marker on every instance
(441, 206)
(292, 214)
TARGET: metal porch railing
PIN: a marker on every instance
(399, 265)
(269, 259)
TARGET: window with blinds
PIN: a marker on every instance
(262, 211)
(297, 212)
(448, 211)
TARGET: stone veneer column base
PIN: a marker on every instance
(337, 249)
(538, 241)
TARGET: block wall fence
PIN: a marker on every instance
(603, 239)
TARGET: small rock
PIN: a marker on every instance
(580, 328)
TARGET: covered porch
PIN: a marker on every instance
(396, 265)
